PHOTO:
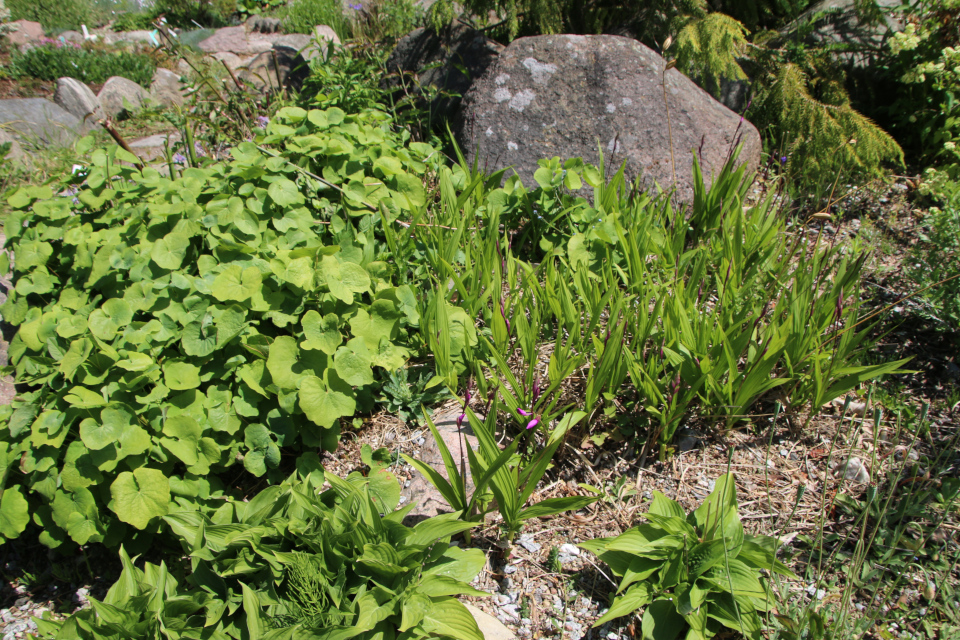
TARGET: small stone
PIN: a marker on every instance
(511, 610)
(506, 584)
(854, 470)
(510, 569)
(420, 441)
(523, 632)
(528, 544)
(569, 549)
(784, 453)
(502, 599)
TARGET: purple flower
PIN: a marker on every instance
(460, 419)
(503, 314)
(356, 6)
(783, 159)
(263, 121)
(533, 423)
(198, 149)
(179, 158)
(525, 414)
(536, 388)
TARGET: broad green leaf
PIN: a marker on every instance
(353, 362)
(285, 193)
(237, 283)
(180, 375)
(325, 405)
(110, 318)
(168, 252)
(322, 333)
(140, 496)
(14, 512)
(661, 621)
(447, 617)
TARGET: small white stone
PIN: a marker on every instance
(611, 107)
(569, 549)
(512, 146)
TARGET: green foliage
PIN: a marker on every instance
(661, 319)
(171, 328)
(190, 13)
(510, 478)
(53, 14)
(936, 257)
(246, 8)
(58, 60)
(696, 572)
(405, 398)
(708, 48)
(379, 20)
(925, 62)
(302, 16)
(133, 20)
(822, 136)
(292, 563)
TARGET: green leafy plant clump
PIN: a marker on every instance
(293, 564)
(172, 330)
(695, 573)
(57, 60)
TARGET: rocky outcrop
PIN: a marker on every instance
(449, 62)
(263, 24)
(566, 95)
(39, 122)
(119, 96)
(77, 98)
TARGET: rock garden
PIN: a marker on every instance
(503, 319)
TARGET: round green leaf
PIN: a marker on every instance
(323, 405)
(14, 512)
(180, 375)
(353, 363)
(168, 252)
(106, 321)
(140, 496)
(284, 192)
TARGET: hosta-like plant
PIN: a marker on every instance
(173, 328)
(692, 574)
(295, 564)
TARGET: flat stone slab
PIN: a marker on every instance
(152, 148)
(428, 500)
(490, 627)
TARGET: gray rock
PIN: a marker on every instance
(24, 32)
(562, 95)
(166, 88)
(77, 98)
(232, 60)
(428, 499)
(569, 549)
(73, 37)
(153, 147)
(687, 440)
(39, 122)
(16, 150)
(527, 543)
(309, 48)
(234, 40)
(450, 62)
(854, 470)
(273, 70)
(327, 37)
(119, 95)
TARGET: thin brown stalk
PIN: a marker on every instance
(108, 125)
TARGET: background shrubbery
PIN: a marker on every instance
(57, 60)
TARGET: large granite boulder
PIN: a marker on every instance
(450, 61)
(39, 122)
(564, 95)
(119, 96)
(78, 99)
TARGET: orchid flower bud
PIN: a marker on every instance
(536, 389)
(460, 419)
(533, 423)
(525, 414)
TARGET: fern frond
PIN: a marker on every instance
(708, 48)
(824, 139)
